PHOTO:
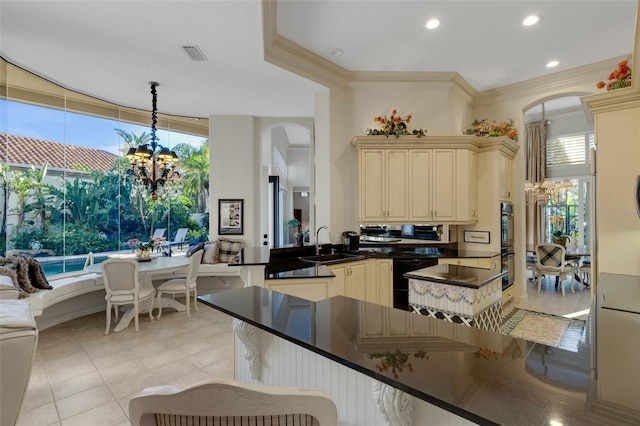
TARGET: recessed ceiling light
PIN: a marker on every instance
(432, 23)
(337, 52)
(552, 64)
(530, 20)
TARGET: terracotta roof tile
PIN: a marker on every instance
(31, 151)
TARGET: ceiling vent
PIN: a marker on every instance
(194, 53)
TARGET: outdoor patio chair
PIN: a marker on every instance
(178, 240)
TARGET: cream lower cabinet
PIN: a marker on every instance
(350, 279)
(313, 289)
(369, 280)
(379, 285)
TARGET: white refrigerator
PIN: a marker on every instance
(618, 342)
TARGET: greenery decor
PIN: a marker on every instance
(395, 125)
(492, 130)
(620, 77)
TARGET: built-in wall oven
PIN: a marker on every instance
(506, 243)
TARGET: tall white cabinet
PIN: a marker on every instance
(616, 246)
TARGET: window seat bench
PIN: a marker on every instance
(80, 293)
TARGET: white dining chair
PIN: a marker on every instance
(550, 260)
(185, 285)
(226, 402)
(123, 288)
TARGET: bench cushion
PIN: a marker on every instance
(63, 289)
(218, 269)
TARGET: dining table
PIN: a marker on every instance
(158, 265)
(575, 254)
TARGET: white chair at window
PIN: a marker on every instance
(231, 402)
(158, 233)
(184, 286)
(551, 261)
(123, 288)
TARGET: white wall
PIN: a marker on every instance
(232, 169)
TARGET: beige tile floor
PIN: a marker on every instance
(82, 377)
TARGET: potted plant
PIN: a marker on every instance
(557, 233)
(193, 235)
(295, 223)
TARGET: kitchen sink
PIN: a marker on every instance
(332, 258)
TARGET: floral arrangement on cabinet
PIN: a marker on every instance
(483, 128)
(620, 77)
(395, 125)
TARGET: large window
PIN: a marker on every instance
(568, 160)
(65, 190)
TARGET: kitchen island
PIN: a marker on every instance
(387, 366)
(460, 294)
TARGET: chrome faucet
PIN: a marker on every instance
(317, 242)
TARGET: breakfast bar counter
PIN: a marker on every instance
(387, 366)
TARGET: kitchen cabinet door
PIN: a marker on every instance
(379, 282)
(373, 186)
(506, 177)
(444, 187)
(355, 280)
(466, 186)
(340, 272)
(397, 168)
(384, 281)
(383, 185)
(420, 184)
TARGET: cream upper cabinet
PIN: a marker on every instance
(433, 179)
(444, 185)
(420, 184)
(506, 177)
(466, 186)
(383, 184)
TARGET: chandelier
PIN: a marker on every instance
(547, 192)
(152, 164)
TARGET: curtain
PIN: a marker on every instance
(535, 142)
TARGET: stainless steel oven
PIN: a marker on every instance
(507, 226)
(508, 266)
(506, 243)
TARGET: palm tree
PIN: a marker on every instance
(194, 164)
(4, 182)
(29, 183)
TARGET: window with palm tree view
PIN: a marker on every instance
(66, 191)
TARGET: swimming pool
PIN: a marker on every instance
(59, 266)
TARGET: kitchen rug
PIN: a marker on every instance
(546, 329)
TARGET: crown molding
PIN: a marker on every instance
(563, 80)
(284, 53)
(288, 55)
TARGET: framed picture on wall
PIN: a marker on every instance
(230, 217)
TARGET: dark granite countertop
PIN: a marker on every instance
(485, 377)
(461, 276)
(287, 257)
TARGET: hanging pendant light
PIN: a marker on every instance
(153, 165)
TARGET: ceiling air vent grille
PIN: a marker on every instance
(194, 53)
